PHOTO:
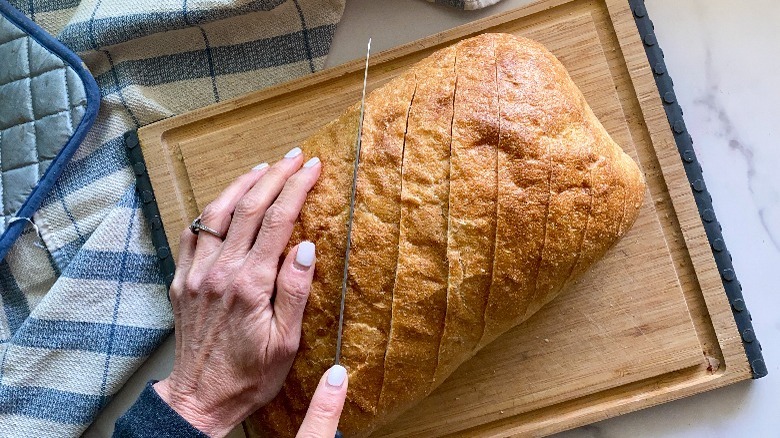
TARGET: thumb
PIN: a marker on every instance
(322, 418)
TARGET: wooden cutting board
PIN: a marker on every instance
(647, 324)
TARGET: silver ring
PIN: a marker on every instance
(197, 226)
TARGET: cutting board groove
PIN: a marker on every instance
(645, 325)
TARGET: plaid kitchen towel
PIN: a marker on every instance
(83, 303)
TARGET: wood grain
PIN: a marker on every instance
(635, 331)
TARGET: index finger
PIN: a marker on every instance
(322, 418)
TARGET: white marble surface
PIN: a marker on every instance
(723, 58)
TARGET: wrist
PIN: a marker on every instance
(214, 421)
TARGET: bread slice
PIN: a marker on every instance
(528, 95)
(472, 203)
(486, 186)
(374, 252)
(420, 292)
(572, 155)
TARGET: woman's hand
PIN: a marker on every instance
(237, 312)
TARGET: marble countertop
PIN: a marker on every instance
(723, 59)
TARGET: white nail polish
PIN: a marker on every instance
(260, 166)
(305, 255)
(312, 162)
(336, 375)
(294, 152)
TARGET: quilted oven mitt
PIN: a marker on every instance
(48, 102)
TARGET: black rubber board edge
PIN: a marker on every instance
(693, 170)
(143, 186)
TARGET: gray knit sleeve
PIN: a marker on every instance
(150, 416)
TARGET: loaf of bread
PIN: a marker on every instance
(485, 186)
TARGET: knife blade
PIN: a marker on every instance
(352, 208)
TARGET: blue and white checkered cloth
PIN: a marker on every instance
(83, 302)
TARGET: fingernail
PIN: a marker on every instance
(336, 375)
(305, 255)
(294, 152)
(312, 162)
(260, 166)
